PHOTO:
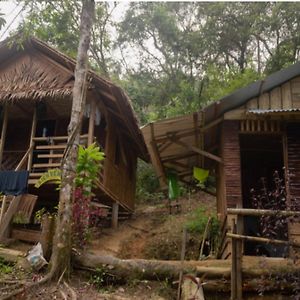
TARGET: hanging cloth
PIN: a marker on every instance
(13, 182)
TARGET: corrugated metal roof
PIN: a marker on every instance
(272, 111)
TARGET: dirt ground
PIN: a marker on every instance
(148, 221)
(130, 240)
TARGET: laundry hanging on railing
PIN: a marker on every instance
(13, 182)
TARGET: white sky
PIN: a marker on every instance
(12, 14)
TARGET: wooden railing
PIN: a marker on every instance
(237, 237)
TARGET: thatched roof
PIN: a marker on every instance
(37, 71)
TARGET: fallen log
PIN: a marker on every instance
(212, 269)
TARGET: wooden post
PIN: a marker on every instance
(92, 122)
(182, 256)
(3, 132)
(4, 198)
(233, 264)
(239, 254)
(32, 135)
(115, 215)
(204, 238)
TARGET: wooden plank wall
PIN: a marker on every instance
(232, 163)
(117, 177)
(284, 96)
(293, 141)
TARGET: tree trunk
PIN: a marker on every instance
(161, 269)
(62, 244)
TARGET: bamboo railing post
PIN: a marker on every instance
(239, 251)
(92, 122)
(204, 238)
(3, 132)
(233, 264)
(32, 135)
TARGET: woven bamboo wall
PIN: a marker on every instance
(232, 164)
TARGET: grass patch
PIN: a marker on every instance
(5, 267)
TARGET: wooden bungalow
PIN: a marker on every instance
(36, 84)
(241, 138)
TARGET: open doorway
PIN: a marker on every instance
(261, 157)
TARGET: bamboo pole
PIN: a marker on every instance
(233, 263)
(204, 237)
(3, 132)
(32, 135)
(182, 256)
(263, 240)
(262, 212)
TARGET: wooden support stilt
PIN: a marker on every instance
(92, 122)
(3, 207)
(115, 215)
(32, 135)
(3, 132)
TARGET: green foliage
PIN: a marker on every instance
(186, 54)
(5, 267)
(97, 279)
(39, 215)
(51, 176)
(88, 167)
(198, 222)
(221, 83)
(147, 184)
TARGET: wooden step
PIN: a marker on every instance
(49, 165)
(35, 175)
(51, 147)
(50, 155)
(32, 181)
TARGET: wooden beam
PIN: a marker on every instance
(161, 173)
(32, 135)
(92, 122)
(179, 156)
(262, 212)
(177, 163)
(212, 124)
(236, 114)
(197, 138)
(164, 146)
(3, 132)
(195, 149)
(263, 240)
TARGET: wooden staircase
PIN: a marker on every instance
(48, 153)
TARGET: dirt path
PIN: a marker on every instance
(111, 240)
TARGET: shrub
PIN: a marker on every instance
(147, 184)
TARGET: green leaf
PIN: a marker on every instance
(200, 174)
